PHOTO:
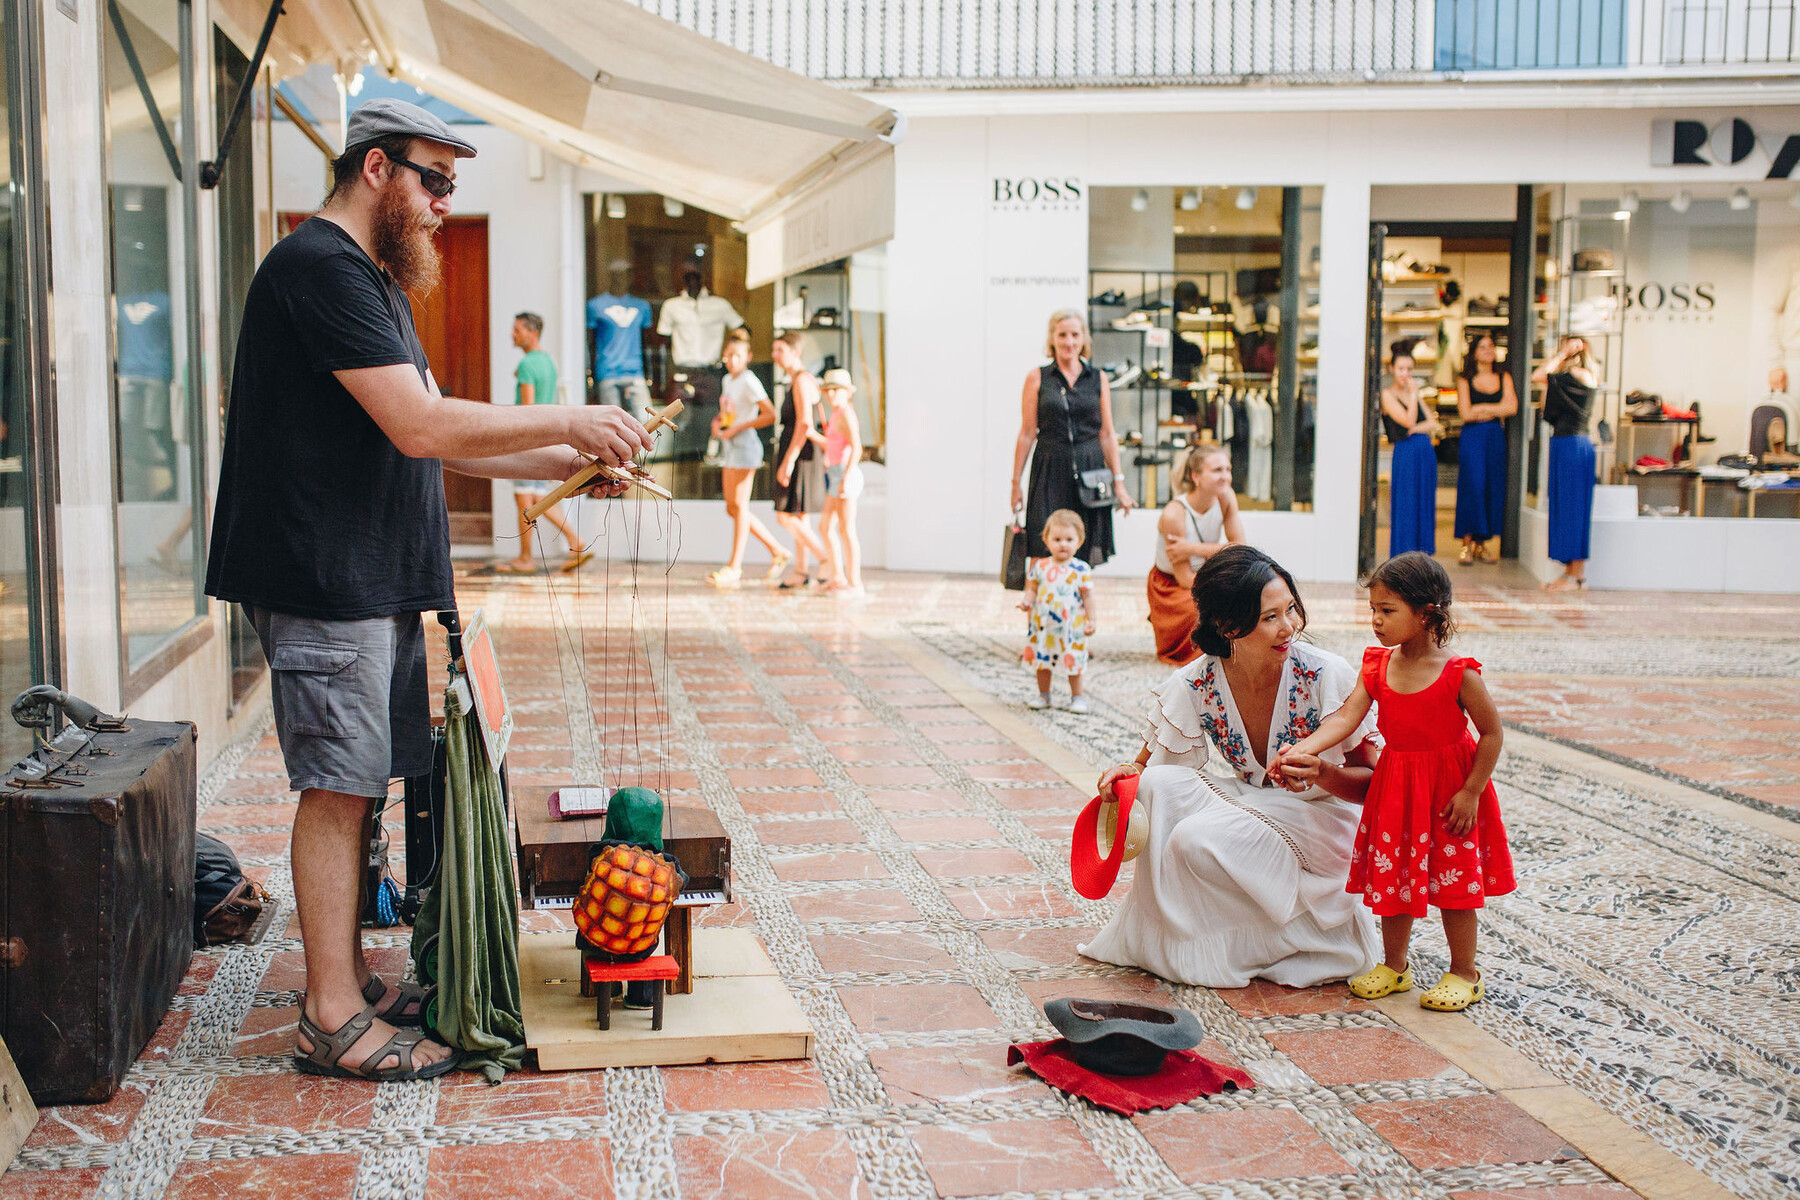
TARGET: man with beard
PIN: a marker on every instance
(331, 530)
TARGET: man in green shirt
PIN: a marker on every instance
(536, 375)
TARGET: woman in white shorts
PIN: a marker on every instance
(744, 408)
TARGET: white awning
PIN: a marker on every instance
(604, 84)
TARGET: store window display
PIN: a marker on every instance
(695, 321)
(617, 322)
(153, 309)
(1204, 307)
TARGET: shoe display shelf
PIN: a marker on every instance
(1410, 311)
(822, 296)
(1132, 316)
(1584, 303)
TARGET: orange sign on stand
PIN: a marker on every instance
(482, 667)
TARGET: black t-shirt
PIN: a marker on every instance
(318, 513)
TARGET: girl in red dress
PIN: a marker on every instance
(1431, 831)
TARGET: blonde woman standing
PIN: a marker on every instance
(1199, 522)
(799, 473)
(1066, 414)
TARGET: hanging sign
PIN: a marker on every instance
(483, 671)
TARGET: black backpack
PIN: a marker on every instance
(226, 905)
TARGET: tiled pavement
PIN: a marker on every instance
(903, 860)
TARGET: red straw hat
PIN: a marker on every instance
(1096, 851)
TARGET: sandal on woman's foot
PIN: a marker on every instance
(1382, 981)
(1485, 555)
(329, 1048)
(1567, 583)
(1467, 555)
(724, 577)
(1453, 993)
(792, 584)
(576, 561)
(778, 567)
(408, 1008)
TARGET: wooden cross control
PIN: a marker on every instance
(630, 473)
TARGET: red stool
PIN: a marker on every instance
(658, 969)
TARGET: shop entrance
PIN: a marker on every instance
(453, 327)
(1437, 290)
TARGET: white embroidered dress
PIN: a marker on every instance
(1249, 886)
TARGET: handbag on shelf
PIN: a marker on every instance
(1012, 555)
(1094, 488)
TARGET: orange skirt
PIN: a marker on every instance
(1173, 616)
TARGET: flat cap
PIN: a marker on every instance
(387, 117)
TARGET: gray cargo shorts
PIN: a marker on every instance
(351, 708)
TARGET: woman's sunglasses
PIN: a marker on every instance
(436, 182)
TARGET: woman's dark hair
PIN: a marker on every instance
(1422, 584)
(1187, 296)
(1470, 367)
(1228, 590)
(1403, 349)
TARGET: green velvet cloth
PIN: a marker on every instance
(473, 911)
(635, 815)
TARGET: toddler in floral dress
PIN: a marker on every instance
(1431, 831)
(1059, 597)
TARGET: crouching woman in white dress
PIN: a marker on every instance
(1242, 878)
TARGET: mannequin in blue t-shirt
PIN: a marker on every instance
(616, 325)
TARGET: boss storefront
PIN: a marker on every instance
(1003, 219)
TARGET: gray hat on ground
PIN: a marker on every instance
(387, 117)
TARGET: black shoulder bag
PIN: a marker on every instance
(1094, 487)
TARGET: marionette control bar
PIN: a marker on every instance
(630, 474)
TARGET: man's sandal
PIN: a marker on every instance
(328, 1048)
(1382, 981)
(1453, 993)
(408, 1008)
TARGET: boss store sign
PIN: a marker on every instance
(1683, 143)
(1037, 193)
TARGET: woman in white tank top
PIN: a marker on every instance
(1200, 521)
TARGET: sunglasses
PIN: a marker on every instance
(435, 182)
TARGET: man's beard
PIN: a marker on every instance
(403, 243)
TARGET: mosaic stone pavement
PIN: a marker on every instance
(904, 863)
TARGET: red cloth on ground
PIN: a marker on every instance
(1405, 857)
(1184, 1076)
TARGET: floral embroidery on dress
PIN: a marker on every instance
(1211, 707)
(1302, 703)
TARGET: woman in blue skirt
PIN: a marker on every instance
(1412, 486)
(1568, 381)
(1484, 398)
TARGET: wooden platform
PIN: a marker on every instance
(739, 1010)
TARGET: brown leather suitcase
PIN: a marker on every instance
(96, 907)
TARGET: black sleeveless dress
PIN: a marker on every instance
(1068, 441)
(805, 490)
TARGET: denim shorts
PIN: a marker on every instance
(351, 708)
(835, 476)
(742, 451)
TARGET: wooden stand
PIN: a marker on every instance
(739, 1011)
(18, 1115)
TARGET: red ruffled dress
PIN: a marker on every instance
(1405, 857)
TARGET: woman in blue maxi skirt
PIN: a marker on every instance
(1412, 482)
(1484, 399)
(1568, 380)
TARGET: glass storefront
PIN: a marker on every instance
(1688, 300)
(26, 648)
(1204, 304)
(156, 390)
(640, 248)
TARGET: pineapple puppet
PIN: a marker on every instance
(631, 886)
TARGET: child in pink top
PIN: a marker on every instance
(843, 483)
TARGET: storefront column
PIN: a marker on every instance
(1518, 365)
(1343, 340)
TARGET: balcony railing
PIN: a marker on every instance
(1113, 43)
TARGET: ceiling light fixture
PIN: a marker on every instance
(615, 206)
(1190, 200)
(673, 208)
(1246, 198)
(1740, 200)
(1628, 203)
(1140, 200)
(1683, 199)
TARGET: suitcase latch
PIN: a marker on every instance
(12, 952)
